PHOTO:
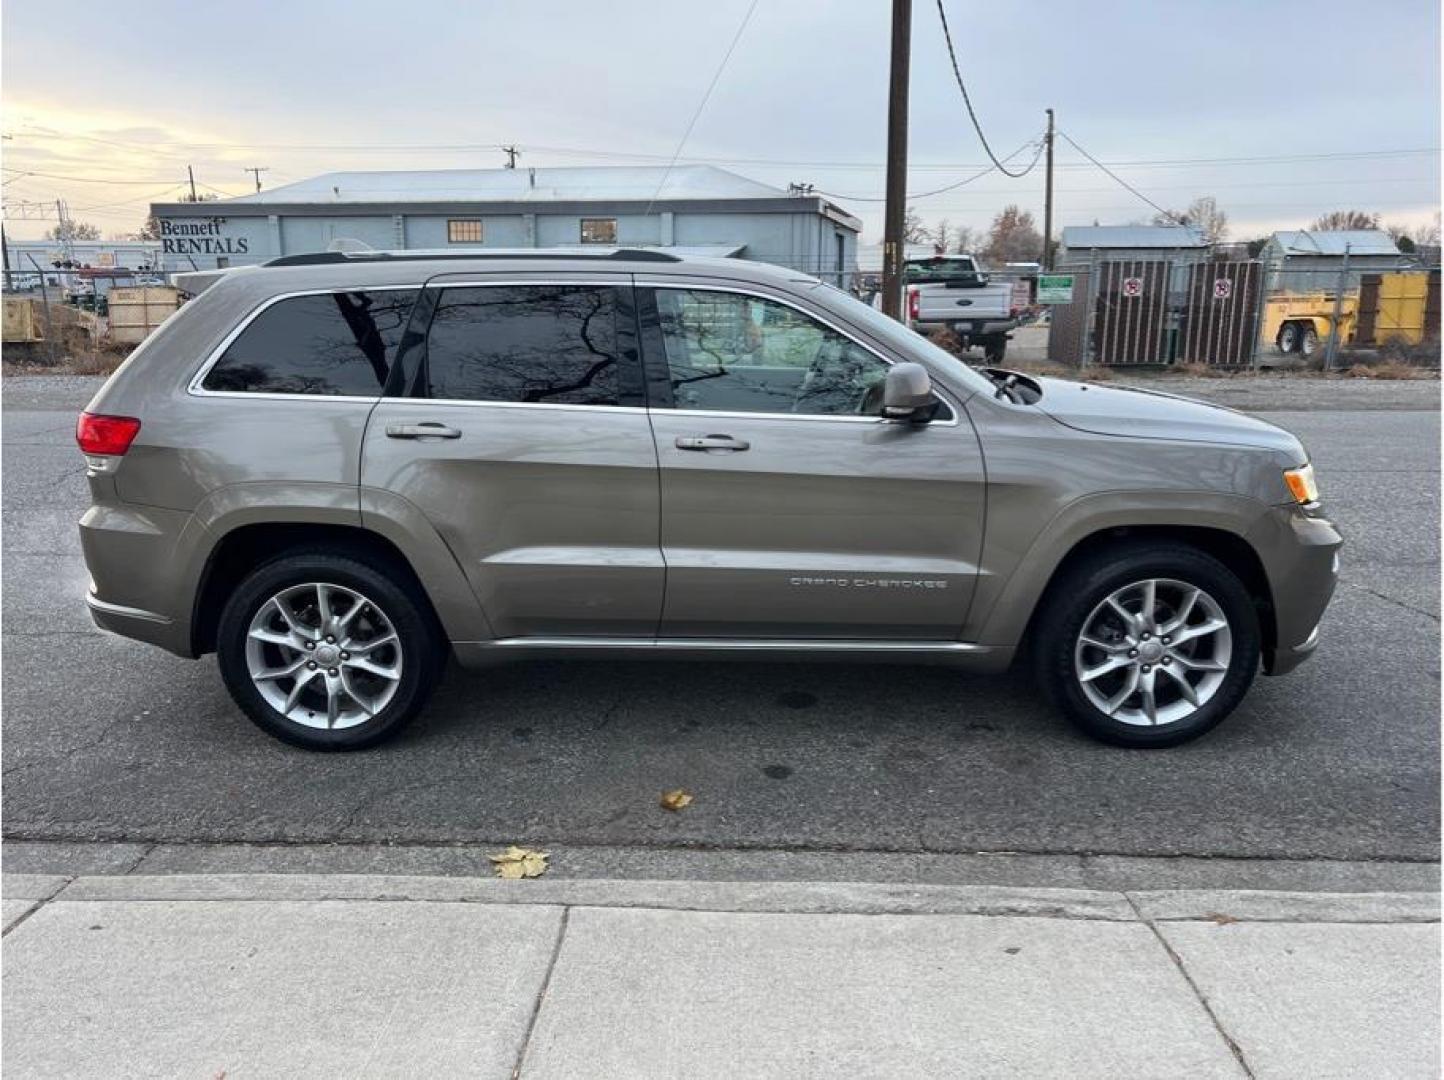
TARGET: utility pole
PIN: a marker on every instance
(1048, 198)
(1331, 351)
(897, 161)
(62, 231)
(257, 170)
(192, 174)
(512, 153)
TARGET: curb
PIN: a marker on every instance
(1219, 906)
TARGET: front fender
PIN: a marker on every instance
(1006, 596)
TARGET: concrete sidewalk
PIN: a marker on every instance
(340, 975)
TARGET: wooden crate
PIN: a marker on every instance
(20, 322)
(136, 312)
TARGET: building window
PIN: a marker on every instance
(463, 231)
(599, 230)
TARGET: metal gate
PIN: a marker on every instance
(1068, 323)
(1219, 321)
(1159, 311)
(1131, 312)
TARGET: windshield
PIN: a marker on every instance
(941, 268)
(900, 337)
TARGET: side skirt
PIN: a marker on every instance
(961, 654)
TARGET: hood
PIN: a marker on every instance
(1128, 412)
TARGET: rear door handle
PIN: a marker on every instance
(427, 430)
(711, 442)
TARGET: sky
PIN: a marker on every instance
(1280, 109)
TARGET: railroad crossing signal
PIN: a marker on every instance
(1133, 287)
(1222, 288)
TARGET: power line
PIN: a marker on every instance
(617, 155)
(1124, 183)
(973, 116)
(1036, 143)
(83, 179)
(701, 105)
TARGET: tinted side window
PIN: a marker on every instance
(336, 343)
(329, 344)
(552, 344)
(733, 353)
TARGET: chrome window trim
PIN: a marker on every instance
(195, 389)
(455, 402)
(693, 286)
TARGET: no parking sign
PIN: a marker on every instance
(1222, 288)
(1133, 287)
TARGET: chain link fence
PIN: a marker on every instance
(1231, 314)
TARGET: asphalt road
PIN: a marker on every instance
(108, 739)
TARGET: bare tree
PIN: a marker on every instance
(1340, 220)
(1014, 237)
(965, 239)
(914, 231)
(73, 230)
(150, 230)
(941, 234)
(1202, 214)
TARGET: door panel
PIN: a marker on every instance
(551, 509)
(818, 523)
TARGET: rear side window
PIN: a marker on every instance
(543, 344)
(329, 344)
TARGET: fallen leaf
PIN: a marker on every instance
(1220, 918)
(519, 862)
(675, 800)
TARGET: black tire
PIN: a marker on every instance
(390, 589)
(1088, 583)
(1288, 338)
(1308, 340)
(994, 349)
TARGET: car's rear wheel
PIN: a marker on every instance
(1149, 646)
(1288, 338)
(327, 651)
(1308, 340)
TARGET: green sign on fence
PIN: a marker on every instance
(1055, 288)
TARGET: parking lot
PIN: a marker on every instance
(106, 739)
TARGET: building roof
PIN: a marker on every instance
(1084, 237)
(593, 182)
(1358, 242)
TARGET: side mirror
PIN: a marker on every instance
(907, 390)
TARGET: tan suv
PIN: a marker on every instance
(334, 470)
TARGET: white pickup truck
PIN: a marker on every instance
(951, 292)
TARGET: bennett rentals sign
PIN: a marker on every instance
(199, 236)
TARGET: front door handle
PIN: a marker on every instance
(429, 430)
(711, 442)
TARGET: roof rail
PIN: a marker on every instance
(331, 258)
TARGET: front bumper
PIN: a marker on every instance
(1300, 553)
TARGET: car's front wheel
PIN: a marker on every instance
(1149, 646)
(328, 651)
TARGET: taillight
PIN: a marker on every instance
(913, 304)
(108, 436)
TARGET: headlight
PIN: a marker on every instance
(1301, 482)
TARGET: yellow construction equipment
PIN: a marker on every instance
(1301, 322)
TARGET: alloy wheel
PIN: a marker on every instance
(323, 656)
(1153, 652)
